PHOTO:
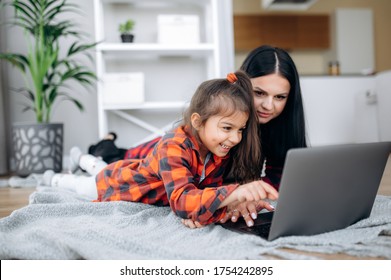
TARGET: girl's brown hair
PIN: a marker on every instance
(222, 97)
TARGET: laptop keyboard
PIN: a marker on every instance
(261, 227)
(260, 230)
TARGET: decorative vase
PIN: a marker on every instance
(37, 147)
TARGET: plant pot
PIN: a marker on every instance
(37, 147)
(127, 38)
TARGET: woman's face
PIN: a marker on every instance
(270, 96)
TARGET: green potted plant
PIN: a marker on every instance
(47, 66)
(125, 30)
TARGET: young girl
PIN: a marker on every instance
(185, 169)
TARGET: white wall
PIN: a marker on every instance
(3, 124)
(383, 92)
(3, 150)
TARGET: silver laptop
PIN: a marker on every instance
(323, 189)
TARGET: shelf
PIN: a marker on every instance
(147, 106)
(155, 3)
(159, 49)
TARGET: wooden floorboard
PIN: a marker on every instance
(13, 198)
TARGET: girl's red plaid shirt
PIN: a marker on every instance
(170, 175)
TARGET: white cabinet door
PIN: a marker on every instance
(338, 111)
(354, 40)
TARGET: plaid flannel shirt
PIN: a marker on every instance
(142, 150)
(170, 175)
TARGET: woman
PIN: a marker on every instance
(279, 106)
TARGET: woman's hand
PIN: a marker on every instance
(249, 211)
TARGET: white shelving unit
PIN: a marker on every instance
(172, 71)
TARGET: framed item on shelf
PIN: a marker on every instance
(123, 88)
(178, 29)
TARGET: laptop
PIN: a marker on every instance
(322, 189)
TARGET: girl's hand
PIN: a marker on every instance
(191, 224)
(255, 191)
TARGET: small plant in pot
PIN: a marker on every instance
(125, 30)
(48, 65)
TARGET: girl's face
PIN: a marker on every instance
(220, 133)
(270, 96)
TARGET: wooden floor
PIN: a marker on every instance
(14, 198)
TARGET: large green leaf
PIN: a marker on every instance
(18, 60)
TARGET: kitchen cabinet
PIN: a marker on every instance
(290, 32)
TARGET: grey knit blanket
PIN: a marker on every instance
(61, 225)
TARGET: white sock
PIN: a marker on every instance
(75, 154)
(91, 164)
(83, 185)
(47, 178)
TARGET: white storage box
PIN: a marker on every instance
(178, 29)
(123, 88)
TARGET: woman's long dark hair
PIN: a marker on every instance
(288, 129)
